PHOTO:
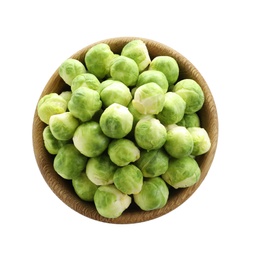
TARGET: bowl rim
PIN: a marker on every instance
(133, 215)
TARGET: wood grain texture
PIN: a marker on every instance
(63, 188)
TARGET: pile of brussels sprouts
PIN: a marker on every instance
(126, 130)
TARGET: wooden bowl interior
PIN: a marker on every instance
(63, 188)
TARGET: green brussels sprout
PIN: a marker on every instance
(190, 120)
(153, 195)
(69, 69)
(179, 142)
(150, 134)
(137, 50)
(173, 109)
(69, 162)
(116, 121)
(100, 170)
(85, 80)
(98, 59)
(168, 66)
(123, 151)
(66, 95)
(49, 105)
(63, 126)
(125, 70)
(83, 187)
(116, 92)
(201, 140)
(110, 202)
(191, 93)
(155, 76)
(152, 163)
(149, 99)
(51, 144)
(128, 179)
(84, 103)
(182, 173)
(90, 140)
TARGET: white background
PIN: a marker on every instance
(217, 222)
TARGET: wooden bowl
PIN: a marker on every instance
(63, 188)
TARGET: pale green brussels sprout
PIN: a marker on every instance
(69, 69)
(128, 179)
(63, 126)
(168, 66)
(182, 173)
(84, 103)
(110, 202)
(152, 163)
(123, 151)
(150, 134)
(66, 95)
(100, 170)
(85, 80)
(98, 59)
(116, 121)
(173, 109)
(125, 70)
(201, 140)
(191, 93)
(190, 120)
(179, 142)
(90, 140)
(153, 195)
(155, 76)
(83, 187)
(149, 99)
(51, 144)
(49, 105)
(137, 50)
(69, 162)
(116, 92)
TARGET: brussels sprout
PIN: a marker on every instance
(191, 93)
(155, 76)
(51, 144)
(100, 170)
(63, 126)
(190, 120)
(153, 195)
(150, 134)
(90, 140)
(168, 66)
(149, 99)
(116, 92)
(66, 95)
(116, 121)
(98, 59)
(137, 50)
(85, 80)
(69, 162)
(123, 151)
(110, 202)
(182, 173)
(201, 140)
(125, 70)
(179, 142)
(69, 69)
(152, 163)
(128, 179)
(173, 109)
(49, 105)
(83, 187)
(84, 103)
